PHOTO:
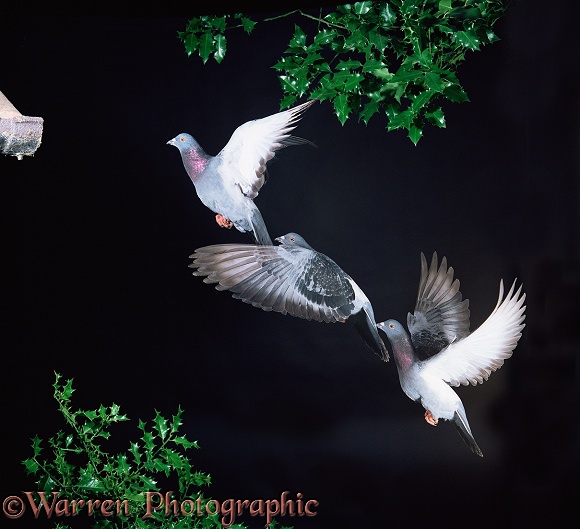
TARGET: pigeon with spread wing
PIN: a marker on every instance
(229, 182)
(290, 278)
(439, 351)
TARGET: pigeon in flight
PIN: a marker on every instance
(290, 278)
(228, 182)
(441, 352)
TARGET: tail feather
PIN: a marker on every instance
(367, 330)
(462, 426)
(259, 229)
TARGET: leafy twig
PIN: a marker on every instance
(398, 58)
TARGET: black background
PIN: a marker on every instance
(98, 226)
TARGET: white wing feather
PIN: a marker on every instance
(472, 359)
(254, 143)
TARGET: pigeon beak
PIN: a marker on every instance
(380, 325)
(280, 239)
(172, 142)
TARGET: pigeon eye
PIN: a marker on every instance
(292, 239)
(391, 325)
(182, 139)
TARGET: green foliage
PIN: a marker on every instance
(76, 465)
(398, 58)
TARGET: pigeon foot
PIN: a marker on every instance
(430, 419)
(223, 222)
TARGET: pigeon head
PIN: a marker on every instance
(393, 329)
(293, 239)
(403, 350)
(184, 142)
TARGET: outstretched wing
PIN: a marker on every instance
(472, 359)
(290, 280)
(440, 316)
(253, 144)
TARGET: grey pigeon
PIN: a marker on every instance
(291, 278)
(229, 182)
(441, 352)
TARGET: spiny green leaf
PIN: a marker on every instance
(220, 48)
(444, 6)
(36, 445)
(299, 38)
(149, 483)
(182, 441)
(341, 107)
(218, 23)
(415, 133)
(89, 481)
(248, 24)
(465, 13)
(161, 466)
(90, 414)
(421, 99)
(288, 101)
(191, 43)
(455, 93)
(348, 65)
(401, 120)
(161, 425)
(409, 7)
(436, 117)
(173, 459)
(362, 8)
(491, 36)
(325, 36)
(353, 82)
(67, 390)
(388, 16)
(122, 464)
(176, 422)
(369, 110)
(31, 466)
(403, 75)
(433, 81)
(148, 439)
(468, 39)
(135, 451)
(205, 46)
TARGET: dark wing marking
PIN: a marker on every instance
(440, 316)
(290, 280)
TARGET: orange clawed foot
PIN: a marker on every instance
(430, 419)
(223, 222)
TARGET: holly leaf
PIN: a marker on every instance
(248, 24)
(468, 39)
(400, 120)
(415, 133)
(369, 110)
(455, 93)
(436, 117)
(205, 46)
(220, 48)
(183, 441)
(299, 38)
(161, 425)
(341, 107)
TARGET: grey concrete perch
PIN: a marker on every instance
(19, 135)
